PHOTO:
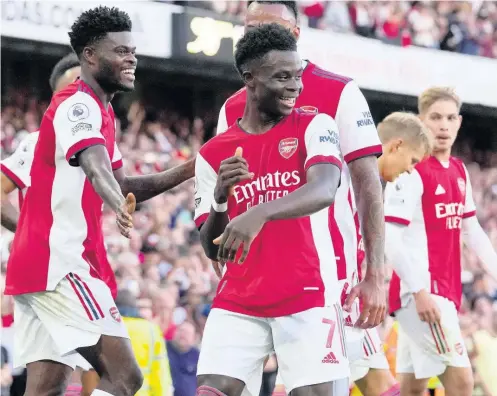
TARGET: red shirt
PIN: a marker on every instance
(291, 265)
(431, 202)
(60, 227)
(339, 97)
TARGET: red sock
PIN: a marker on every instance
(208, 391)
(393, 391)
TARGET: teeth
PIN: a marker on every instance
(129, 71)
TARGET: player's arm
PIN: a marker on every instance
(401, 200)
(222, 120)
(361, 146)
(15, 175)
(211, 196)
(77, 123)
(323, 170)
(10, 215)
(148, 186)
(473, 235)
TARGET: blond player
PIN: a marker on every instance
(406, 141)
(427, 214)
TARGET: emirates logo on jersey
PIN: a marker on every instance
(288, 147)
(462, 185)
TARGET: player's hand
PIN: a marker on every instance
(218, 267)
(124, 219)
(239, 234)
(233, 170)
(427, 309)
(371, 292)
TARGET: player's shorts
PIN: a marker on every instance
(310, 347)
(51, 325)
(373, 356)
(427, 349)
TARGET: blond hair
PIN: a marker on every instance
(406, 126)
(434, 94)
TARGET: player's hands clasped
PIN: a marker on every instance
(372, 294)
(427, 309)
(239, 234)
(123, 215)
(233, 170)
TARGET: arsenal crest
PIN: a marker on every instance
(459, 347)
(288, 147)
(462, 185)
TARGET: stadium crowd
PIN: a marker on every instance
(457, 26)
(163, 264)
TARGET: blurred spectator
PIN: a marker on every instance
(5, 373)
(148, 346)
(183, 358)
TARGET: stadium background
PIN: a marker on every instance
(185, 73)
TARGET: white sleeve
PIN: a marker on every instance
(469, 203)
(17, 167)
(358, 135)
(402, 197)
(77, 124)
(205, 183)
(322, 142)
(475, 238)
(222, 121)
(117, 158)
(402, 264)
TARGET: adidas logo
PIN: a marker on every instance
(330, 358)
(440, 190)
(348, 321)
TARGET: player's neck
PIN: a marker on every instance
(104, 97)
(442, 156)
(256, 122)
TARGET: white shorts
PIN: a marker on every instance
(310, 347)
(50, 325)
(426, 350)
(373, 356)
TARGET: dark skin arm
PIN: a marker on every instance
(10, 215)
(148, 186)
(369, 200)
(318, 193)
(95, 163)
(231, 171)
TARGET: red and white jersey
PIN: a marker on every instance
(340, 98)
(431, 202)
(60, 227)
(18, 166)
(291, 265)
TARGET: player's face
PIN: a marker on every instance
(116, 63)
(277, 82)
(68, 78)
(260, 14)
(444, 121)
(400, 157)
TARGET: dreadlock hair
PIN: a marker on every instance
(93, 25)
(291, 5)
(257, 43)
(67, 62)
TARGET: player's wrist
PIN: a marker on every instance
(219, 207)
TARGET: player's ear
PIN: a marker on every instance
(248, 78)
(296, 32)
(89, 55)
(460, 121)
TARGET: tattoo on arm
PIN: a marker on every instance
(369, 200)
(148, 186)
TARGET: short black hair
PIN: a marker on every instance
(93, 25)
(67, 62)
(257, 43)
(291, 5)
